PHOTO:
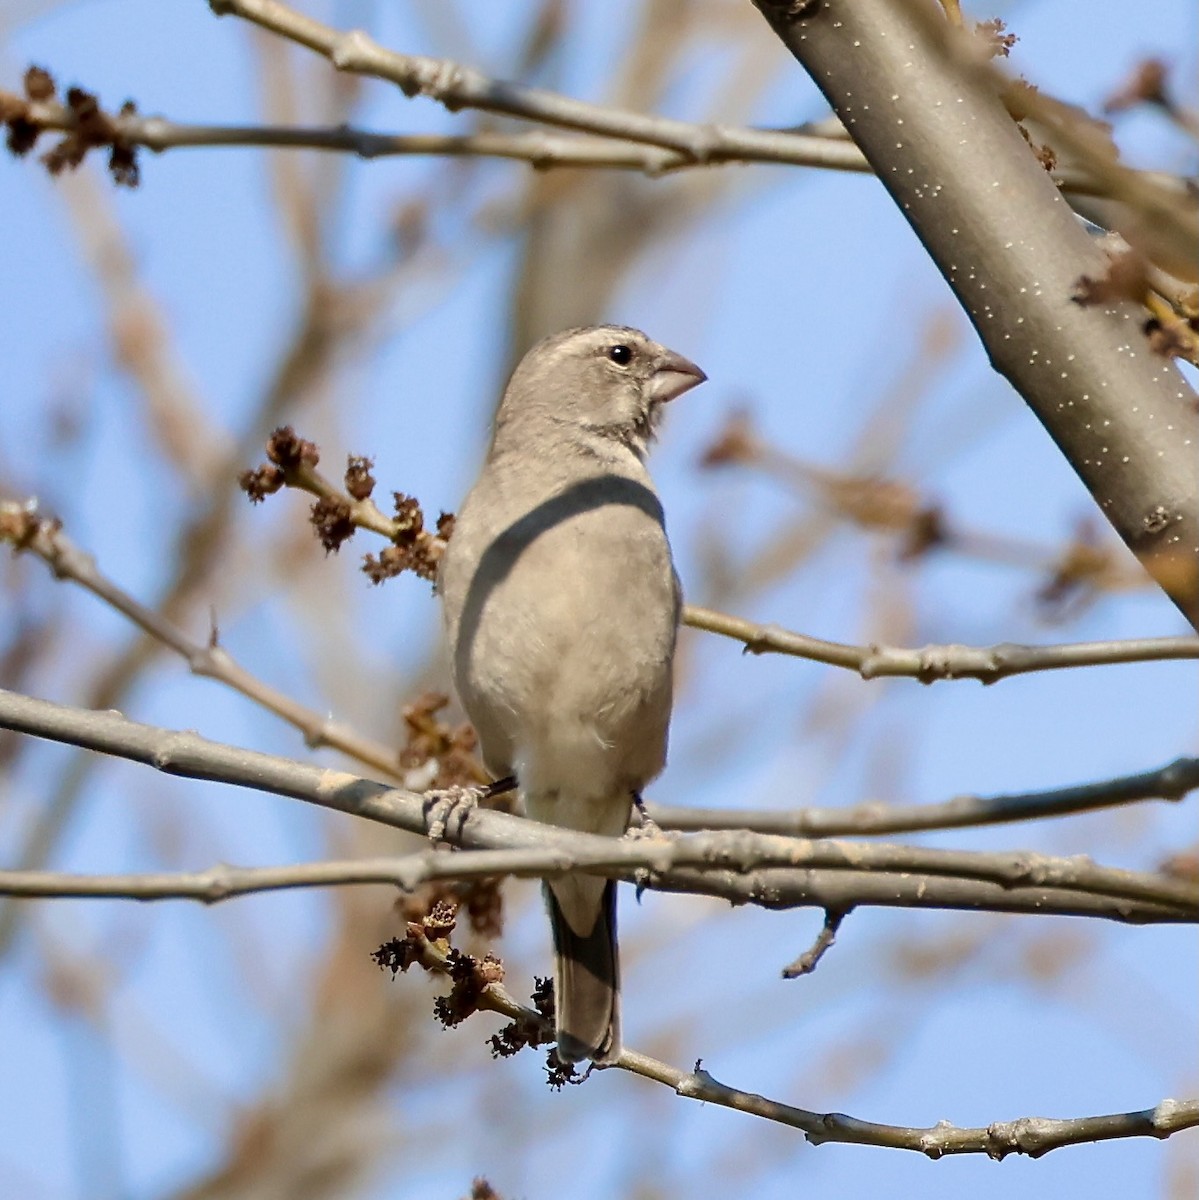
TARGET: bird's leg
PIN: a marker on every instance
(498, 787)
(643, 825)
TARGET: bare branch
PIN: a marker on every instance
(24, 529)
(988, 664)
(226, 882)
(1033, 1136)
(541, 150)
(1171, 782)
(807, 962)
(928, 664)
(456, 86)
(775, 872)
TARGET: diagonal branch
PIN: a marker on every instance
(25, 530)
(457, 86)
(945, 147)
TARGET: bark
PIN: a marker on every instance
(944, 146)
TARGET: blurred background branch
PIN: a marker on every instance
(879, 486)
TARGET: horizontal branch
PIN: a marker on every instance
(1172, 782)
(680, 144)
(742, 867)
(1033, 1136)
(987, 664)
(734, 850)
(928, 664)
(226, 882)
(541, 150)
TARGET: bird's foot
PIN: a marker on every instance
(446, 804)
(645, 828)
(643, 825)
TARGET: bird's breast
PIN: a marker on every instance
(566, 619)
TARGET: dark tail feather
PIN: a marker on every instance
(587, 983)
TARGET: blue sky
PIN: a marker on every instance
(805, 298)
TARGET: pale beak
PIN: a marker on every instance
(673, 375)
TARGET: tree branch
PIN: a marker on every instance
(775, 872)
(988, 664)
(24, 529)
(1171, 782)
(808, 961)
(541, 150)
(1033, 1136)
(956, 164)
(225, 882)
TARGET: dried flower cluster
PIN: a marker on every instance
(428, 943)
(451, 748)
(85, 125)
(337, 515)
(429, 738)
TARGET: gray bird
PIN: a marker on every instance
(561, 609)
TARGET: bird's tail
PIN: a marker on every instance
(586, 981)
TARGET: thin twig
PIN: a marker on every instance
(928, 664)
(225, 882)
(21, 526)
(1172, 782)
(457, 86)
(541, 150)
(807, 962)
(1033, 1136)
(988, 664)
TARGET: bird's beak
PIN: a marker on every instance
(673, 375)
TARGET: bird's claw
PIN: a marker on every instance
(446, 804)
(643, 825)
(647, 828)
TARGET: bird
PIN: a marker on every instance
(561, 608)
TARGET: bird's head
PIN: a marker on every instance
(605, 381)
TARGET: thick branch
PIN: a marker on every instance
(775, 872)
(956, 164)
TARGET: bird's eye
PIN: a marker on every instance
(621, 355)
